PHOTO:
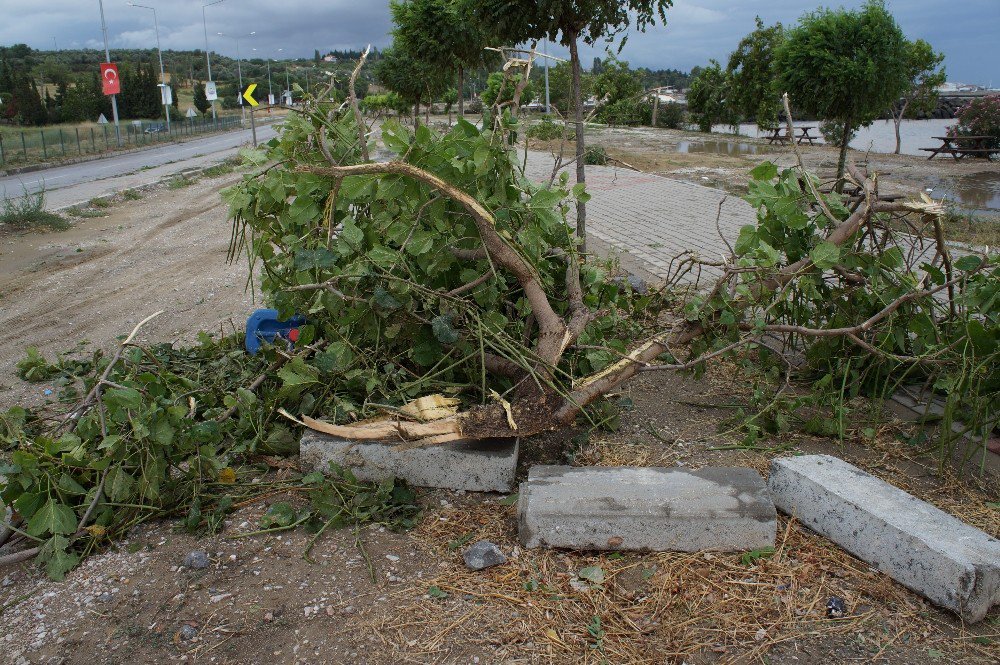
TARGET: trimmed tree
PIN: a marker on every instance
(924, 74)
(708, 99)
(443, 33)
(200, 100)
(752, 74)
(844, 66)
(569, 21)
(413, 79)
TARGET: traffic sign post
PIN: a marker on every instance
(248, 95)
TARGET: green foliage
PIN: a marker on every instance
(547, 130)
(500, 90)
(201, 102)
(848, 66)
(832, 132)
(752, 74)
(920, 341)
(621, 93)
(414, 80)
(709, 98)
(671, 115)
(981, 117)
(596, 156)
(391, 330)
(383, 103)
(28, 212)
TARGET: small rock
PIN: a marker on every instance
(836, 607)
(483, 554)
(392, 557)
(104, 597)
(196, 560)
(638, 284)
(188, 632)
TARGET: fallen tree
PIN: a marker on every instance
(446, 298)
(448, 254)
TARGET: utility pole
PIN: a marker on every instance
(163, 76)
(208, 60)
(107, 56)
(288, 88)
(239, 71)
(545, 52)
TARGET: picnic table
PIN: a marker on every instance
(963, 146)
(779, 135)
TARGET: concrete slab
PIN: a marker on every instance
(476, 466)
(952, 564)
(645, 508)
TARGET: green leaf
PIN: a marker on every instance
(278, 515)
(351, 234)
(436, 592)
(52, 518)
(58, 560)
(747, 240)
(825, 255)
(592, 574)
(764, 171)
(443, 330)
(968, 262)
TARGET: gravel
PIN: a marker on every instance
(483, 554)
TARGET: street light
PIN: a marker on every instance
(288, 88)
(239, 68)
(208, 60)
(268, 79)
(163, 76)
(107, 55)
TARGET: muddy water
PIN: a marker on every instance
(880, 136)
(975, 191)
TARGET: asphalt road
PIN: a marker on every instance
(65, 185)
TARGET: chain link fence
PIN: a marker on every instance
(31, 146)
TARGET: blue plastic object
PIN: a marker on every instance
(264, 326)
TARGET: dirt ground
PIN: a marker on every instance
(259, 600)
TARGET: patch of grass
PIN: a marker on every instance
(971, 228)
(131, 195)
(100, 202)
(596, 156)
(227, 166)
(85, 213)
(28, 212)
(179, 182)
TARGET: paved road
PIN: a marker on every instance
(653, 218)
(73, 183)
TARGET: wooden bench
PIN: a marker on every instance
(962, 146)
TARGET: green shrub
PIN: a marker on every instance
(547, 130)
(980, 117)
(671, 115)
(596, 156)
(28, 211)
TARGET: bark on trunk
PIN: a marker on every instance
(461, 91)
(416, 114)
(581, 174)
(844, 140)
(898, 120)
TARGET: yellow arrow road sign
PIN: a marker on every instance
(248, 94)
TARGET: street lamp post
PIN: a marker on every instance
(288, 87)
(208, 60)
(107, 56)
(239, 68)
(268, 79)
(163, 76)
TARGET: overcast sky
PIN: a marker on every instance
(967, 31)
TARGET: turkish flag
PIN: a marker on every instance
(109, 79)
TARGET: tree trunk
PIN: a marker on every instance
(461, 92)
(844, 140)
(581, 174)
(898, 120)
(416, 114)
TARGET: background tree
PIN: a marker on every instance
(619, 91)
(709, 98)
(444, 33)
(847, 66)
(923, 77)
(568, 21)
(752, 75)
(200, 101)
(500, 90)
(414, 80)
(561, 87)
(449, 97)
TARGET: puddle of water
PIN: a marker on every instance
(976, 191)
(731, 148)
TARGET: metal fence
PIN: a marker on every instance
(37, 145)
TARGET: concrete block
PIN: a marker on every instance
(645, 508)
(476, 466)
(952, 564)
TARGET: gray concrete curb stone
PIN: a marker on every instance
(952, 564)
(645, 508)
(475, 466)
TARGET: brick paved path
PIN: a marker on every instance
(654, 218)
